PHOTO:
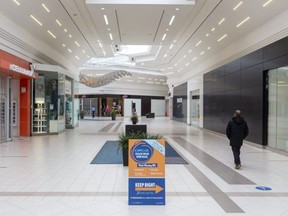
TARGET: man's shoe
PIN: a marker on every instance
(238, 166)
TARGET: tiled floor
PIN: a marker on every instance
(52, 175)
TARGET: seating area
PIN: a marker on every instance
(150, 115)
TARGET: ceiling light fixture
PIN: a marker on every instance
(165, 55)
(202, 53)
(194, 58)
(149, 82)
(224, 36)
(213, 29)
(77, 57)
(268, 2)
(164, 36)
(175, 64)
(190, 51)
(241, 23)
(77, 43)
(199, 43)
(187, 64)
(100, 45)
(237, 6)
(169, 73)
(44, 6)
(172, 19)
(36, 20)
(51, 34)
(184, 56)
(57, 21)
(69, 50)
(63, 45)
(70, 35)
(106, 20)
(84, 51)
(171, 46)
(65, 30)
(221, 21)
(207, 34)
(104, 53)
(88, 56)
(102, 8)
(16, 2)
(208, 48)
(141, 78)
(111, 36)
(177, 9)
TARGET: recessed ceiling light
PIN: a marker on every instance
(164, 36)
(213, 29)
(57, 21)
(45, 7)
(238, 5)
(129, 80)
(224, 36)
(241, 23)
(108, 29)
(171, 46)
(199, 43)
(16, 2)
(77, 57)
(202, 53)
(111, 36)
(106, 20)
(167, 29)
(209, 48)
(104, 53)
(171, 20)
(169, 73)
(177, 9)
(207, 34)
(36, 20)
(165, 55)
(77, 43)
(84, 51)
(187, 64)
(150, 82)
(141, 77)
(190, 50)
(100, 45)
(102, 8)
(157, 83)
(51, 34)
(184, 56)
(88, 56)
(70, 35)
(194, 58)
(221, 21)
(175, 64)
(65, 30)
(64, 45)
(268, 2)
(69, 50)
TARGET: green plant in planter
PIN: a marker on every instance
(134, 119)
(82, 114)
(123, 141)
(113, 114)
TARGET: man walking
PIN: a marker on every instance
(236, 131)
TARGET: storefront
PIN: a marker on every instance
(53, 101)
(15, 96)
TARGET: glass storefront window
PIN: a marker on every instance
(278, 109)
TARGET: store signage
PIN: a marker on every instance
(68, 87)
(179, 100)
(146, 172)
(21, 70)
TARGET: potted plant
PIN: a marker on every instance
(113, 114)
(134, 119)
(82, 114)
(123, 142)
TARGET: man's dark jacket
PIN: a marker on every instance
(237, 130)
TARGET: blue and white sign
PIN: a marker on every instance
(146, 191)
(263, 188)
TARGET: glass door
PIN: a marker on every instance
(278, 109)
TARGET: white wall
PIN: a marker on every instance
(195, 84)
(128, 106)
(158, 107)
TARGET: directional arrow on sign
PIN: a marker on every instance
(157, 189)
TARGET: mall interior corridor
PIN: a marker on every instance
(52, 175)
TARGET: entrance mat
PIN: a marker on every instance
(111, 154)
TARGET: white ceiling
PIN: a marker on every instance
(139, 24)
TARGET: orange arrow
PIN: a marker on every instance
(157, 189)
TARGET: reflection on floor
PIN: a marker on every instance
(52, 175)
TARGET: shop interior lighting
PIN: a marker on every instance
(241, 23)
(36, 20)
(238, 5)
(45, 7)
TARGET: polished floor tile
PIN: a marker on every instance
(52, 175)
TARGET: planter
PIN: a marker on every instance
(134, 122)
(113, 116)
(125, 156)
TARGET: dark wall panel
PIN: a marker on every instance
(239, 85)
(180, 103)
